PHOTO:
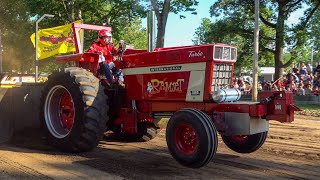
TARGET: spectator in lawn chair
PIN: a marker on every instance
(105, 48)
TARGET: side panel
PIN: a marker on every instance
(195, 90)
(181, 82)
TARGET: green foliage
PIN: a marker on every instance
(308, 106)
(134, 35)
(18, 23)
(222, 31)
(237, 19)
(15, 28)
(314, 36)
(162, 9)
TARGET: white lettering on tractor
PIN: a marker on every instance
(195, 54)
(156, 86)
(277, 107)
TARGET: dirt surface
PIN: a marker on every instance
(292, 151)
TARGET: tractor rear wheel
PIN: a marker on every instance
(191, 138)
(245, 143)
(73, 110)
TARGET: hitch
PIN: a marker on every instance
(280, 106)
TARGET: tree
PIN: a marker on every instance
(162, 9)
(273, 15)
(15, 28)
(314, 36)
(134, 35)
(122, 15)
(223, 31)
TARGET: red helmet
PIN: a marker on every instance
(104, 33)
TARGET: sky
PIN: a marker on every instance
(180, 32)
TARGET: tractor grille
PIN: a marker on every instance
(221, 77)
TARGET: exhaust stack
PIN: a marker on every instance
(151, 29)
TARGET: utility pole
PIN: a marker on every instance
(311, 57)
(256, 52)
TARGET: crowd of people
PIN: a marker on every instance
(301, 81)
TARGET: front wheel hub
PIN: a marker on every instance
(186, 139)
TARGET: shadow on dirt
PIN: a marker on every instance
(152, 161)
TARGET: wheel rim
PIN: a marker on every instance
(186, 139)
(59, 111)
(240, 138)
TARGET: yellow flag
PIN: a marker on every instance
(55, 40)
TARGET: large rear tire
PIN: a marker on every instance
(245, 144)
(191, 138)
(73, 110)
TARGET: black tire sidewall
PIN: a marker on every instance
(68, 82)
(252, 143)
(201, 153)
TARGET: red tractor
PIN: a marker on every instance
(190, 84)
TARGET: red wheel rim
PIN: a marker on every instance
(240, 138)
(66, 112)
(186, 139)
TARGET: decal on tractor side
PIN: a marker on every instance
(195, 54)
(156, 86)
(169, 68)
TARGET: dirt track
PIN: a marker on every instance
(292, 151)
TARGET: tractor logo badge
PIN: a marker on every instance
(156, 86)
(277, 107)
(169, 68)
(195, 54)
(150, 88)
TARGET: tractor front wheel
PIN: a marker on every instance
(245, 143)
(73, 110)
(191, 138)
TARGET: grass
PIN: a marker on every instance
(308, 106)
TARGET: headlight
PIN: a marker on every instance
(226, 95)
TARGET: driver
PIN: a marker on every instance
(105, 48)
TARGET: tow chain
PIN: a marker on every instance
(268, 99)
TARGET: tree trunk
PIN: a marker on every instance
(162, 17)
(160, 33)
(278, 56)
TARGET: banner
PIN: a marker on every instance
(55, 40)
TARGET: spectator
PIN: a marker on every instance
(309, 68)
(274, 87)
(315, 90)
(242, 85)
(235, 84)
(318, 69)
(308, 90)
(295, 70)
(301, 91)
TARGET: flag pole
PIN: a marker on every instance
(36, 43)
